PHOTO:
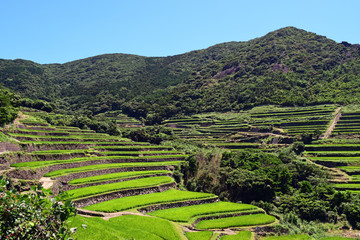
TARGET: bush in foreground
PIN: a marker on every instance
(33, 215)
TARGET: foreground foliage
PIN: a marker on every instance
(32, 215)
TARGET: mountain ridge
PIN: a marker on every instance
(297, 67)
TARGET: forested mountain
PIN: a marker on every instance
(288, 66)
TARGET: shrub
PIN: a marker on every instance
(33, 215)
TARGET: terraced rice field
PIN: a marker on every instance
(251, 129)
(109, 175)
(344, 157)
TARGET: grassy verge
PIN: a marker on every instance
(63, 172)
(38, 164)
(107, 188)
(203, 235)
(184, 214)
(239, 221)
(125, 227)
(114, 176)
(243, 235)
(121, 204)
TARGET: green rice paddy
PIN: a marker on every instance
(184, 214)
(115, 176)
(125, 203)
(111, 187)
(239, 221)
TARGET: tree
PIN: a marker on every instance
(33, 215)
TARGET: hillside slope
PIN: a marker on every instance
(288, 66)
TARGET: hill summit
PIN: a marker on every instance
(289, 66)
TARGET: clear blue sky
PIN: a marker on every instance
(58, 31)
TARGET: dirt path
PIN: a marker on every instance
(46, 182)
(333, 124)
(105, 215)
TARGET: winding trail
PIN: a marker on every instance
(333, 124)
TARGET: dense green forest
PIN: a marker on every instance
(287, 67)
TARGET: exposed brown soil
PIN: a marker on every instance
(332, 126)
(46, 182)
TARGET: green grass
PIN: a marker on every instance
(333, 153)
(5, 138)
(38, 164)
(335, 238)
(114, 176)
(288, 237)
(239, 221)
(140, 152)
(243, 235)
(184, 214)
(347, 185)
(63, 172)
(111, 187)
(82, 137)
(46, 152)
(125, 227)
(203, 235)
(336, 159)
(351, 169)
(120, 148)
(355, 178)
(76, 143)
(125, 203)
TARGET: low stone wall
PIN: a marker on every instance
(9, 147)
(68, 178)
(330, 164)
(124, 193)
(40, 147)
(226, 215)
(177, 204)
(43, 133)
(64, 156)
(39, 172)
(70, 187)
(15, 157)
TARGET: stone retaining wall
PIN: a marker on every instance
(40, 147)
(9, 147)
(43, 133)
(39, 172)
(177, 204)
(68, 178)
(124, 193)
(226, 215)
(70, 187)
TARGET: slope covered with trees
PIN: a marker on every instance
(288, 66)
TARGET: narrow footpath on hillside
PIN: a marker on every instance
(333, 124)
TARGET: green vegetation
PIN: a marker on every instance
(184, 214)
(239, 221)
(38, 164)
(114, 176)
(25, 215)
(125, 227)
(125, 203)
(243, 235)
(203, 235)
(111, 187)
(63, 172)
(290, 237)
